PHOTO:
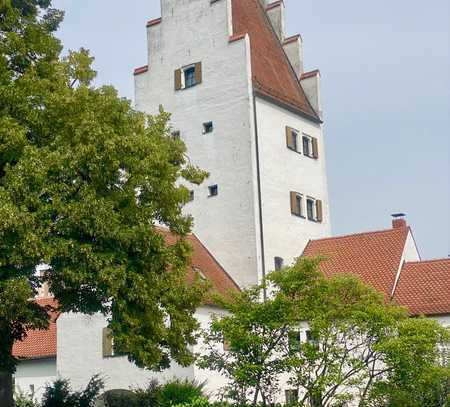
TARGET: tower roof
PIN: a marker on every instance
(273, 75)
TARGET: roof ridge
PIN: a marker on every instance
(359, 234)
(445, 259)
(286, 59)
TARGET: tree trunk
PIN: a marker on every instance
(6, 390)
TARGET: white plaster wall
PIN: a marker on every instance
(282, 171)
(37, 373)
(80, 356)
(444, 320)
(193, 31)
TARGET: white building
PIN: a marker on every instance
(239, 99)
(77, 346)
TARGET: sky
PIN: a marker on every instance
(385, 70)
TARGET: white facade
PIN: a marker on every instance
(33, 375)
(248, 140)
(80, 356)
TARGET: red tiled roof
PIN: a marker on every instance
(374, 256)
(273, 75)
(424, 287)
(204, 261)
(39, 344)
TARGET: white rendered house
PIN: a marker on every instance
(239, 99)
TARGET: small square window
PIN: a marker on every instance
(213, 190)
(189, 77)
(310, 209)
(279, 263)
(176, 135)
(208, 127)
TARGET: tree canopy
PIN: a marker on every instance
(85, 181)
(326, 341)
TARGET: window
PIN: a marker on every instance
(297, 204)
(191, 196)
(291, 396)
(208, 127)
(310, 209)
(310, 146)
(188, 76)
(176, 135)
(292, 139)
(213, 190)
(314, 209)
(294, 341)
(307, 146)
(279, 262)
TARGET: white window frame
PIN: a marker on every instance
(314, 208)
(183, 75)
(310, 145)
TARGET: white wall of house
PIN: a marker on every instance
(32, 376)
(284, 170)
(198, 31)
(228, 224)
(80, 356)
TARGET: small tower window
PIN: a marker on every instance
(189, 77)
(176, 135)
(191, 195)
(297, 204)
(208, 127)
(307, 146)
(213, 190)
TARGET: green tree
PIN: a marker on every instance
(256, 334)
(335, 340)
(84, 180)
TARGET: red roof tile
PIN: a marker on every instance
(424, 287)
(204, 261)
(374, 256)
(39, 344)
(273, 75)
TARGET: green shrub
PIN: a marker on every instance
(181, 392)
(59, 394)
(150, 396)
(23, 400)
(196, 402)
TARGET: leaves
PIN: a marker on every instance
(84, 182)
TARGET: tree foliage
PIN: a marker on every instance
(84, 182)
(333, 340)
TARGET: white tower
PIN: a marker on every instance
(249, 115)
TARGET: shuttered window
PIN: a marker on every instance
(315, 148)
(319, 210)
(188, 76)
(296, 204)
(310, 146)
(107, 343)
(291, 139)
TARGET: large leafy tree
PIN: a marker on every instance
(331, 341)
(84, 180)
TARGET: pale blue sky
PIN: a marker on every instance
(386, 90)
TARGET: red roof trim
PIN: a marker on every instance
(141, 69)
(274, 4)
(154, 22)
(310, 74)
(292, 39)
(237, 37)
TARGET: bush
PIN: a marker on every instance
(181, 392)
(173, 393)
(59, 394)
(23, 400)
(196, 402)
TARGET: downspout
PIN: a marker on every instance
(258, 176)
